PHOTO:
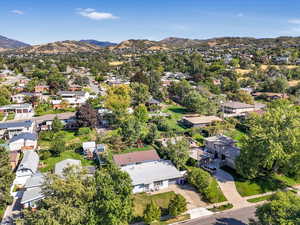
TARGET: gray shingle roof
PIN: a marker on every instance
(26, 123)
(36, 180)
(30, 161)
(237, 105)
(25, 136)
(32, 194)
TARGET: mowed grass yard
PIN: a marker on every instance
(261, 185)
(73, 142)
(49, 163)
(141, 200)
(176, 112)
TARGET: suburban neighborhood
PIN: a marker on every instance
(169, 131)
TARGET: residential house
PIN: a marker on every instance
(232, 108)
(17, 108)
(270, 95)
(41, 89)
(147, 171)
(28, 167)
(33, 191)
(152, 175)
(135, 157)
(200, 121)
(21, 97)
(89, 149)
(23, 141)
(44, 123)
(223, 148)
(10, 129)
(74, 98)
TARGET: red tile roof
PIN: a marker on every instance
(136, 157)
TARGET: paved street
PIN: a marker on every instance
(232, 217)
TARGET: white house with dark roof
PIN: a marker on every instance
(10, 129)
(23, 141)
(74, 97)
(17, 108)
(28, 167)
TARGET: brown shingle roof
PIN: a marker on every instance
(136, 157)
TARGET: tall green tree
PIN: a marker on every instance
(177, 205)
(68, 201)
(57, 125)
(282, 209)
(113, 203)
(140, 93)
(152, 213)
(273, 140)
(6, 178)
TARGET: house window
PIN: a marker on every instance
(158, 183)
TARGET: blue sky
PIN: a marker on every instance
(42, 21)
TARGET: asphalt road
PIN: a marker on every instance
(234, 217)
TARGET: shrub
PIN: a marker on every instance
(177, 206)
(152, 213)
(83, 131)
(45, 154)
(205, 184)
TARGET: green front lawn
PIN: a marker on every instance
(49, 163)
(260, 185)
(221, 208)
(141, 200)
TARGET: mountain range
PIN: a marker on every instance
(11, 45)
(7, 43)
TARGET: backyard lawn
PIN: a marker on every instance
(260, 185)
(133, 149)
(70, 138)
(49, 163)
(176, 112)
(141, 200)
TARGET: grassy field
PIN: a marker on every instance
(70, 138)
(176, 112)
(49, 163)
(260, 185)
(141, 200)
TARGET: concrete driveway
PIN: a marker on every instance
(188, 192)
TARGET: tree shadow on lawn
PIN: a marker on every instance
(179, 110)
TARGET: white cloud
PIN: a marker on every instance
(94, 15)
(294, 21)
(240, 14)
(16, 11)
